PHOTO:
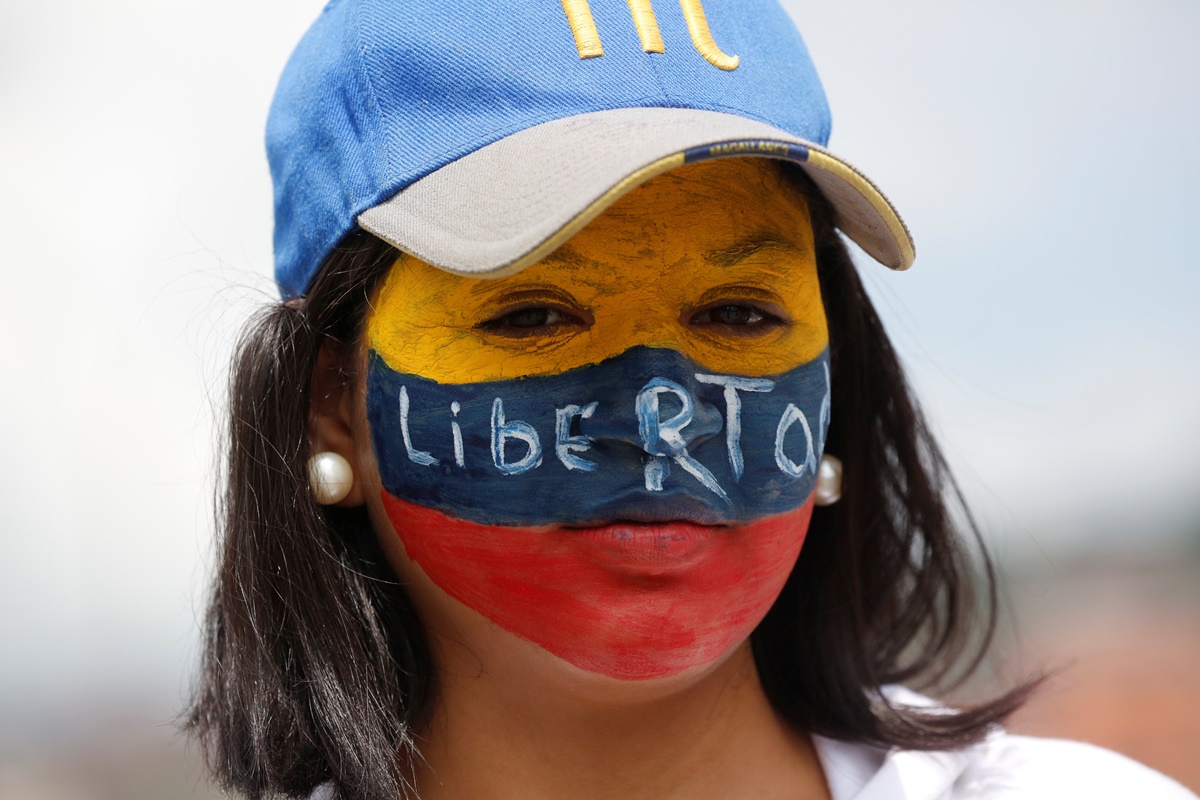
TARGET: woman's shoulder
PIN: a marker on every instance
(1002, 767)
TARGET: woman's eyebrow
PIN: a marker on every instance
(731, 255)
(564, 256)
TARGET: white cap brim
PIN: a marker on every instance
(511, 203)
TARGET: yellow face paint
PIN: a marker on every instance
(714, 260)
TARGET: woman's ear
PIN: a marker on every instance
(331, 408)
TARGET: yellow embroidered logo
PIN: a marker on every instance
(587, 38)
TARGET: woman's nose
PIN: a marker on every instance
(663, 418)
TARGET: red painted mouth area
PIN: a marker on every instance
(629, 600)
(650, 548)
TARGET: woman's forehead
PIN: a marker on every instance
(741, 191)
(697, 221)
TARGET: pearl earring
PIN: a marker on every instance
(829, 481)
(331, 478)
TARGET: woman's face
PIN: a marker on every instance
(611, 454)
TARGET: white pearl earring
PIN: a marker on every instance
(829, 481)
(331, 478)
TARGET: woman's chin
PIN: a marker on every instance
(508, 663)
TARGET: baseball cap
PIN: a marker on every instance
(480, 136)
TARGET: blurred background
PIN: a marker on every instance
(1043, 152)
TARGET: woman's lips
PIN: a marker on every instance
(645, 546)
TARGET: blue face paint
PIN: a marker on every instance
(644, 436)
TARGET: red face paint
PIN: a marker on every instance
(628, 601)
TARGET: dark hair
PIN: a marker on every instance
(316, 668)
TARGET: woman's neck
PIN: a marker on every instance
(499, 735)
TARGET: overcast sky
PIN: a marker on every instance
(1043, 152)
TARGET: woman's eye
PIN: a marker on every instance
(531, 319)
(736, 315)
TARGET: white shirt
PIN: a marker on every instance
(1001, 767)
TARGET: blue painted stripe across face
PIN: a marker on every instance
(644, 436)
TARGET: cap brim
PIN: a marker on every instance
(511, 203)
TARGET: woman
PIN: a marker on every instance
(532, 488)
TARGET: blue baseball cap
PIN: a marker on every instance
(480, 136)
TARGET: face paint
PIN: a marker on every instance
(624, 601)
(646, 436)
(629, 490)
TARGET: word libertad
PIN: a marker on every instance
(665, 441)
